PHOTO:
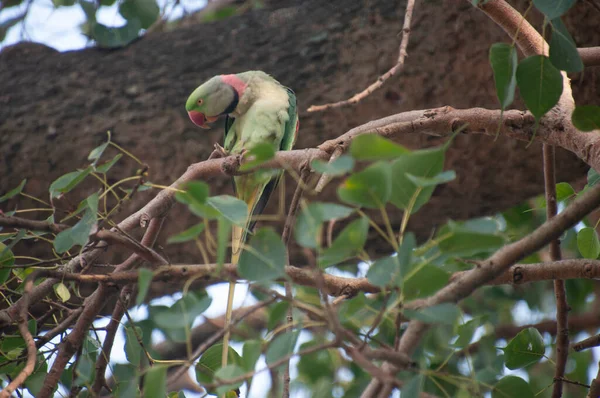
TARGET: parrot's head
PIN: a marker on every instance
(218, 96)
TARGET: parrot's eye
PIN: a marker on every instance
(200, 101)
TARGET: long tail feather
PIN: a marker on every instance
(238, 236)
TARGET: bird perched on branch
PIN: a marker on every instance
(259, 110)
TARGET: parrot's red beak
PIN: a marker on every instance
(200, 119)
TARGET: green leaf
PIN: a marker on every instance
(588, 243)
(68, 181)
(503, 58)
(187, 235)
(512, 386)
(586, 117)
(97, 152)
(265, 257)
(553, 9)
(385, 272)
(144, 280)
(126, 379)
(281, 346)
(564, 191)
(446, 313)
(182, 313)
(423, 163)
(563, 51)
(375, 147)
(11, 3)
(465, 332)
(219, 14)
(35, 381)
(524, 349)
(210, 363)
(228, 372)
(7, 260)
(62, 292)
(424, 281)
(347, 244)
(277, 313)
(339, 166)
(232, 208)
(146, 11)
(109, 37)
(77, 235)
(104, 167)
(414, 387)
(63, 3)
(250, 354)
(441, 178)
(91, 202)
(85, 370)
(258, 155)
(592, 177)
(405, 254)
(223, 234)
(195, 192)
(133, 350)
(13, 192)
(466, 240)
(540, 84)
(308, 226)
(155, 382)
(370, 188)
(9, 23)
(89, 9)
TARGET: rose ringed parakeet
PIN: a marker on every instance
(259, 110)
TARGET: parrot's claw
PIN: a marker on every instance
(219, 152)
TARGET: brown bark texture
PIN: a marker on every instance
(55, 107)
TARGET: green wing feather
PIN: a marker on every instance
(287, 143)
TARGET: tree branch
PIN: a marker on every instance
(33, 225)
(562, 308)
(590, 56)
(31, 350)
(356, 98)
(520, 274)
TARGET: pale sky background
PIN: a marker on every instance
(59, 28)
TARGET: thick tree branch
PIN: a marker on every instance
(536, 272)
(590, 56)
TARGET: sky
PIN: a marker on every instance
(59, 27)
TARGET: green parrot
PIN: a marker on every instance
(259, 110)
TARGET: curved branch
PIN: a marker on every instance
(31, 349)
(590, 56)
(520, 274)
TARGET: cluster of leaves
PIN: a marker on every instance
(390, 175)
(139, 14)
(539, 77)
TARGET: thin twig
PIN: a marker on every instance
(285, 236)
(325, 178)
(562, 308)
(395, 69)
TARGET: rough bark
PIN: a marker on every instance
(55, 107)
